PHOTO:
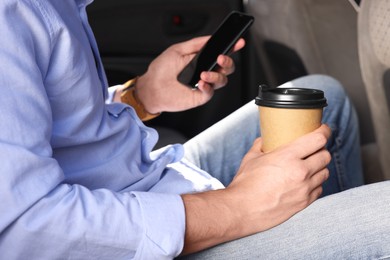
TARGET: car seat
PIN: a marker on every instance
(293, 38)
(374, 55)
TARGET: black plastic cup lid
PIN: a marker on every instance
(290, 97)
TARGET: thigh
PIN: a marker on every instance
(219, 149)
(353, 224)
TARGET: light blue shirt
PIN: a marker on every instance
(78, 179)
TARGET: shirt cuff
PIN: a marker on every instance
(111, 93)
(164, 222)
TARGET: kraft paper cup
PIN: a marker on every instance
(288, 113)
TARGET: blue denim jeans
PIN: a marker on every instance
(220, 148)
(352, 224)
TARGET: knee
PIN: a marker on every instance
(334, 92)
(333, 89)
(328, 84)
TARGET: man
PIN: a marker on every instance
(80, 179)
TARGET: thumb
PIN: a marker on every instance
(191, 46)
(254, 151)
(257, 144)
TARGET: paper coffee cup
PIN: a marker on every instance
(288, 113)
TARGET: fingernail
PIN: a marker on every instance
(222, 59)
(204, 75)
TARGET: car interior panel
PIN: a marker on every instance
(131, 34)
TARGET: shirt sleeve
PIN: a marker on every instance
(111, 92)
(42, 217)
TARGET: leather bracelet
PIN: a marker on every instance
(129, 97)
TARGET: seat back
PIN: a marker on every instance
(374, 55)
(298, 37)
(323, 36)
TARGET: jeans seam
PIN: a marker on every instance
(338, 163)
(342, 174)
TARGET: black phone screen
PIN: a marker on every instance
(221, 42)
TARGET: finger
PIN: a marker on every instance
(319, 178)
(204, 92)
(310, 143)
(191, 46)
(317, 181)
(314, 188)
(317, 161)
(315, 194)
(226, 64)
(239, 45)
(216, 79)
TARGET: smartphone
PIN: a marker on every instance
(221, 42)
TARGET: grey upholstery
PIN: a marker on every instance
(323, 34)
(374, 53)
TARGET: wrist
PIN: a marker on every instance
(211, 219)
(129, 95)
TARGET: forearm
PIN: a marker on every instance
(210, 220)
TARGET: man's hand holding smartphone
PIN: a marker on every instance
(159, 85)
(221, 42)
